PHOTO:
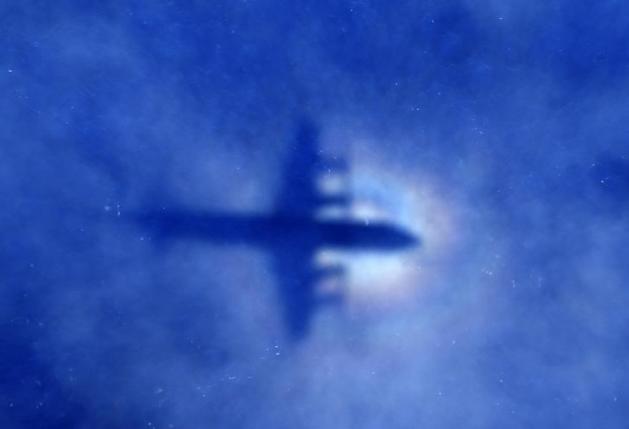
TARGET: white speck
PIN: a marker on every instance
(107, 208)
(10, 70)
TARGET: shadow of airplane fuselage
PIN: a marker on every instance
(278, 231)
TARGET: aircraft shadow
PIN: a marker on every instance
(292, 233)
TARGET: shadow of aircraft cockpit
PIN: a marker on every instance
(292, 233)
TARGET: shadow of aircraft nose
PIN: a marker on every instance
(408, 240)
(404, 240)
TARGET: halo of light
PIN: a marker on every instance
(384, 281)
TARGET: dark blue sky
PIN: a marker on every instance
(497, 130)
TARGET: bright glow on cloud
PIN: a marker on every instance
(380, 281)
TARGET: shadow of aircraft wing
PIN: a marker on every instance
(295, 288)
(299, 196)
(299, 289)
(299, 193)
